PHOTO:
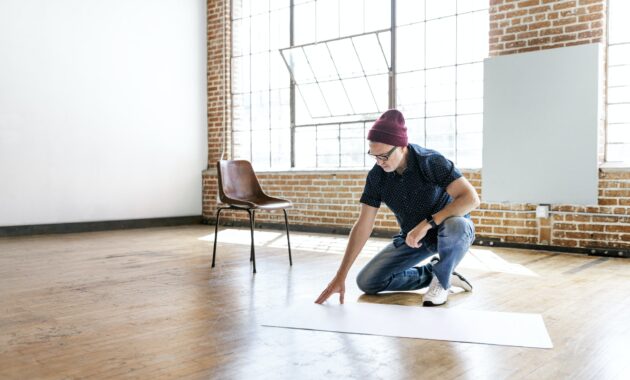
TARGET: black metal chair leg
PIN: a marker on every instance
(216, 230)
(286, 223)
(252, 220)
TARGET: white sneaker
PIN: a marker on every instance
(461, 282)
(456, 279)
(436, 295)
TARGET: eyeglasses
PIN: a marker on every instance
(383, 157)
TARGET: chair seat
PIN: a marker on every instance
(272, 203)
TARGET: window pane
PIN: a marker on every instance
(345, 58)
(351, 15)
(440, 92)
(619, 75)
(472, 37)
(440, 42)
(260, 110)
(441, 135)
(280, 110)
(260, 33)
(328, 146)
(279, 29)
(410, 93)
(278, 75)
(275, 4)
(304, 23)
(379, 84)
(261, 150)
(619, 54)
(385, 39)
(439, 8)
(241, 109)
(240, 74)
(304, 147)
(370, 54)
(377, 15)
(415, 131)
(619, 94)
(320, 62)
(360, 95)
(618, 133)
(409, 11)
(258, 6)
(471, 5)
(352, 144)
(619, 27)
(281, 148)
(469, 158)
(241, 8)
(470, 124)
(619, 113)
(260, 71)
(241, 144)
(618, 152)
(410, 51)
(327, 19)
(314, 100)
(299, 66)
(336, 98)
(240, 38)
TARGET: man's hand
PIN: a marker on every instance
(417, 233)
(337, 285)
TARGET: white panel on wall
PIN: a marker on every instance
(541, 111)
(102, 109)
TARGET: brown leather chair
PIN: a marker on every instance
(239, 190)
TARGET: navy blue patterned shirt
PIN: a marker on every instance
(416, 194)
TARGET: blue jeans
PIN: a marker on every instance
(393, 267)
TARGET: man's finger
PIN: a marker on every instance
(341, 294)
(322, 297)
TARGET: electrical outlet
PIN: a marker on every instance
(542, 211)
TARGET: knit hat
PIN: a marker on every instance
(389, 129)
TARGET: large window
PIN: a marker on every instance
(260, 83)
(618, 129)
(304, 97)
(441, 46)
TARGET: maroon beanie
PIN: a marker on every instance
(389, 129)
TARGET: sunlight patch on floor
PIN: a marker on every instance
(479, 259)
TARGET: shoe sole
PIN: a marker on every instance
(467, 286)
(431, 304)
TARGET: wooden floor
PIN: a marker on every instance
(145, 304)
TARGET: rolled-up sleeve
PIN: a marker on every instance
(371, 194)
(440, 170)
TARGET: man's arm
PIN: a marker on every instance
(359, 235)
(465, 199)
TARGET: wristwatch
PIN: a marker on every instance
(432, 222)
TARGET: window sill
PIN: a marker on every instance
(617, 166)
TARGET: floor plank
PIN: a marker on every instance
(145, 304)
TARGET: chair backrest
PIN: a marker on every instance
(238, 181)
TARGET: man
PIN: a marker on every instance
(431, 201)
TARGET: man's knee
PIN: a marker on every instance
(366, 283)
(456, 226)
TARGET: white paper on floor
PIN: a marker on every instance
(458, 325)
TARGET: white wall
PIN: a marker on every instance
(541, 112)
(102, 109)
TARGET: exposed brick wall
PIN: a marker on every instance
(529, 25)
(330, 199)
(219, 36)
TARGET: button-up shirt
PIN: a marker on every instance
(417, 193)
